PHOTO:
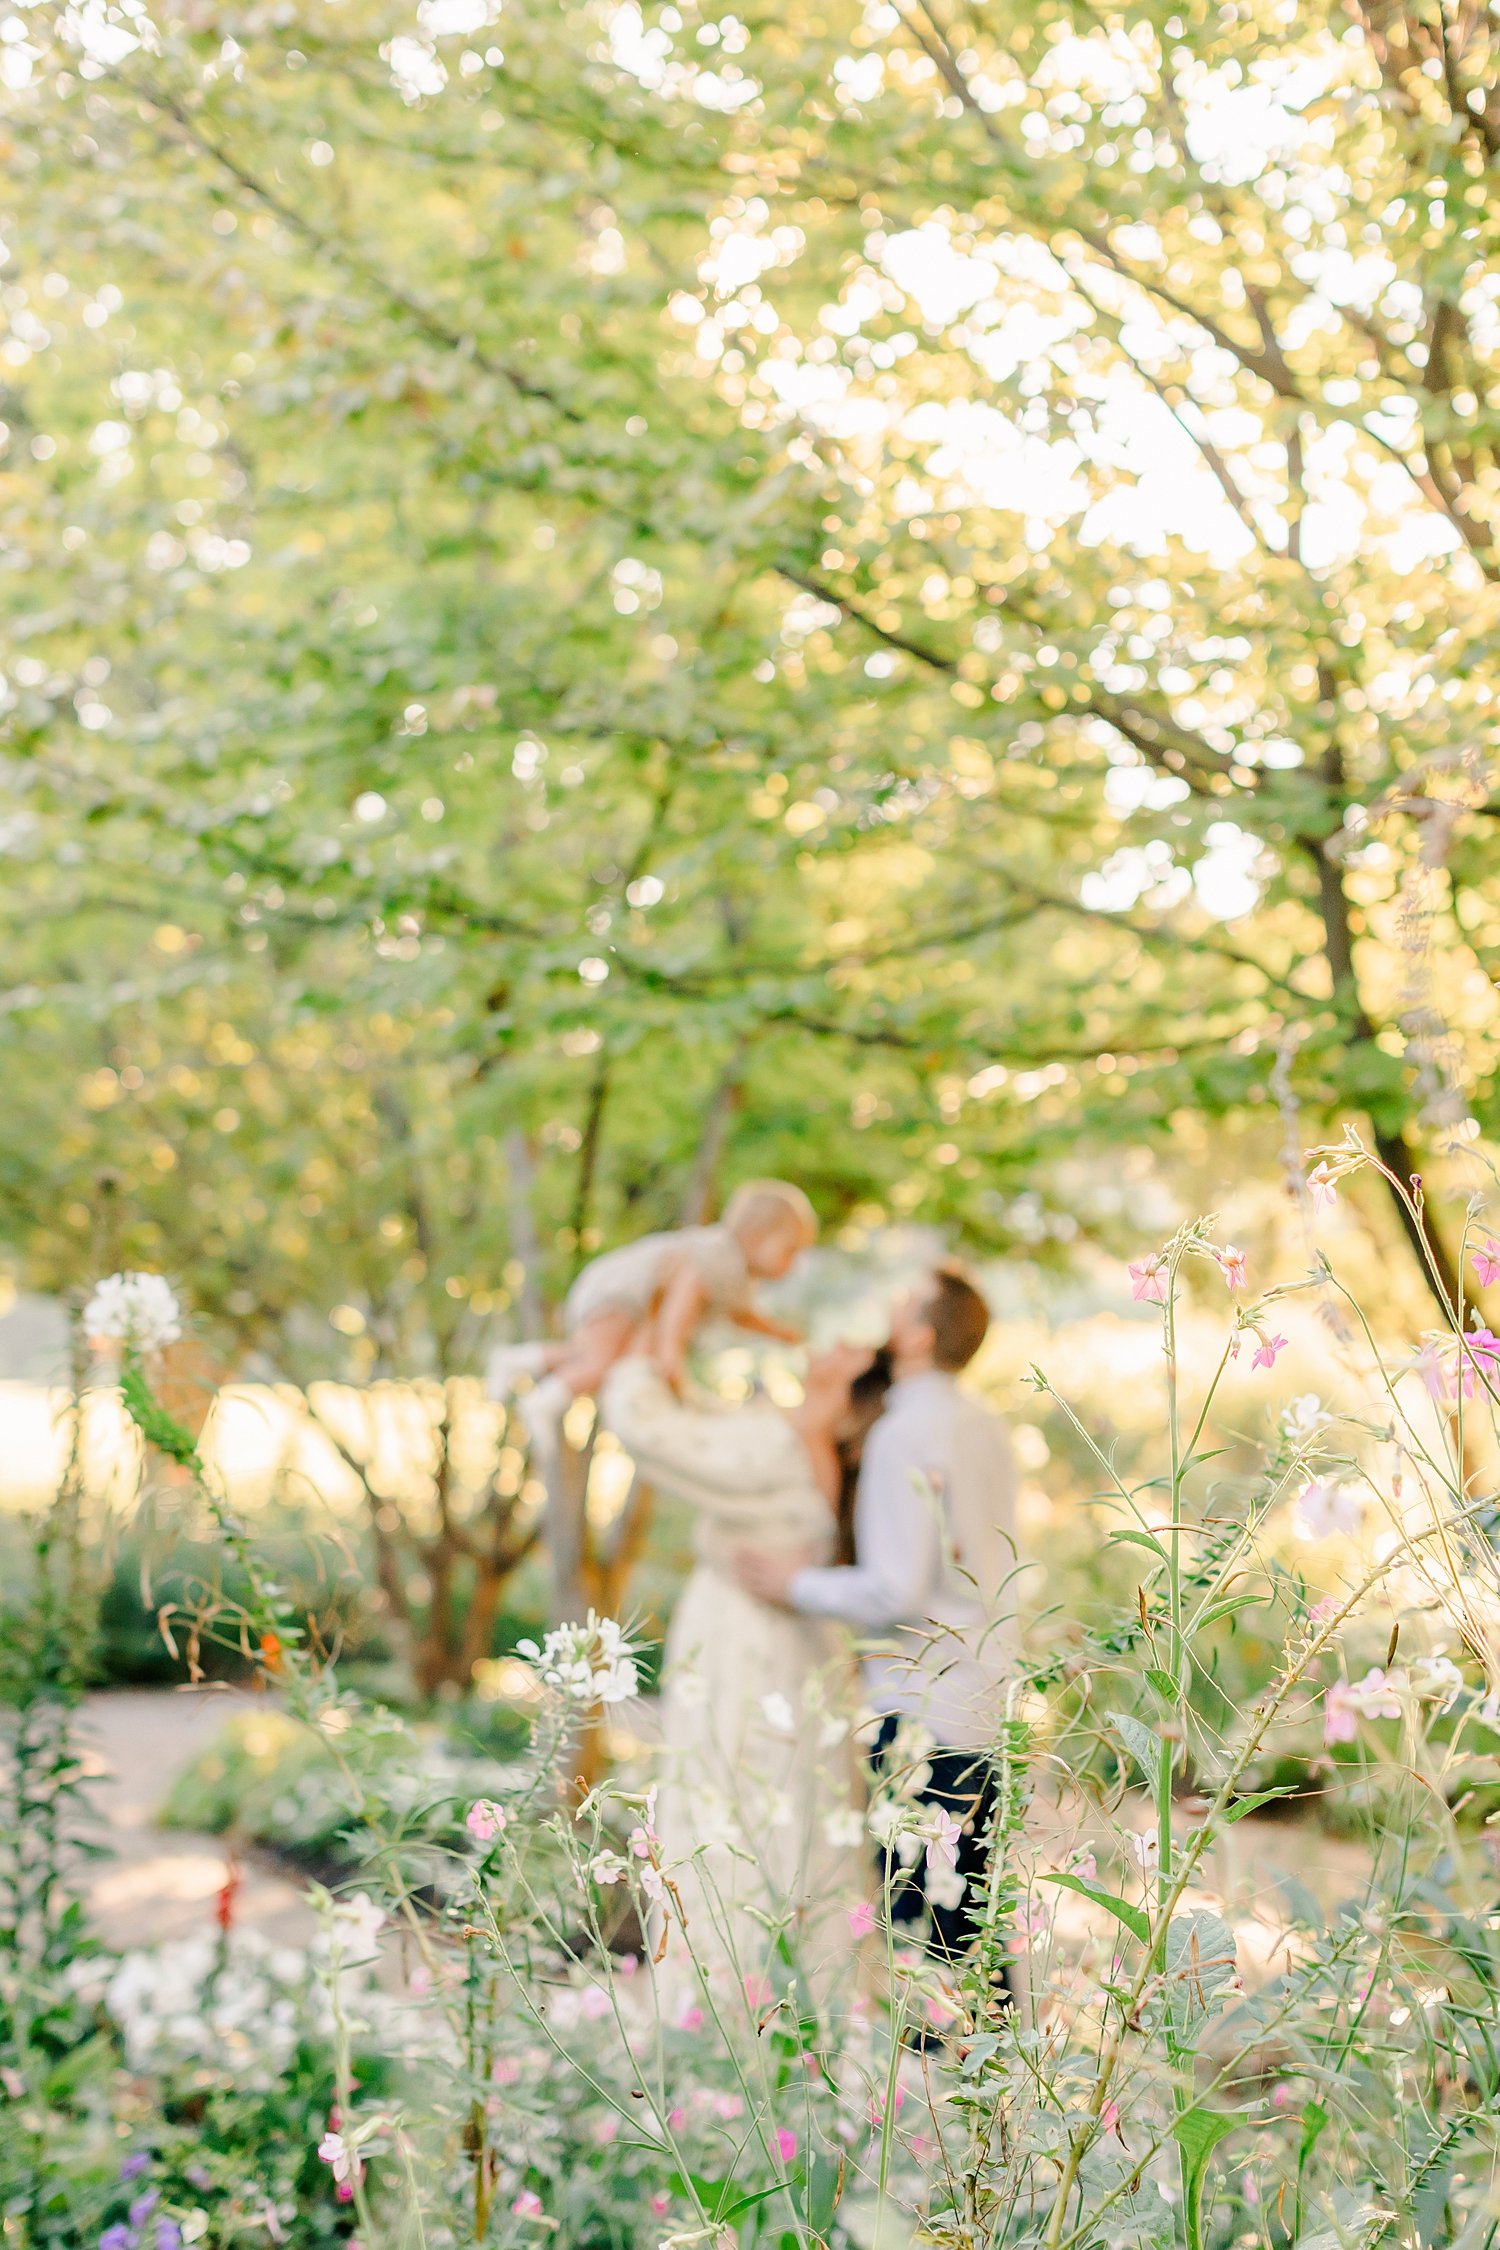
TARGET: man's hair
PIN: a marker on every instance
(958, 1317)
(765, 1206)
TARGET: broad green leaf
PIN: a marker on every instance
(1138, 1539)
(1198, 2133)
(1131, 1916)
(1141, 1741)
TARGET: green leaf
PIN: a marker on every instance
(1132, 1917)
(1143, 1743)
(1163, 1682)
(732, 2210)
(1314, 2118)
(1138, 1539)
(1227, 1608)
(1198, 2133)
(1243, 1805)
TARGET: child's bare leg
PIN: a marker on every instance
(508, 1362)
(593, 1348)
(587, 1357)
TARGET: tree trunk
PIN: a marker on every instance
(1393, 1148)
(523, 1235)
(1441, 1276)
(698, 1197)
(615, 1556)
(567, 1482)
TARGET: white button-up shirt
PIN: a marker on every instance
(934, 1537)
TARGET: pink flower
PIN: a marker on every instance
(943, 1838)
(1338, 1715)
(786, 2143)
(1486, 1262)
(758, 1991)
(1231, 1264)
(1269, 1348)
(876, 2110)
(677, 2118)
(861, 1919)
(660, 2206)
(691, 2019)
(1324, 1193)
(1376, 1694)
(505, 2070)
(1148, 1280)
(1109, 2119)
(1086, 1868)
(1031, 1922)
(341, 2159)
(1484, 1349)
(1321, 1611)
(484, 1820)
(527, 2205)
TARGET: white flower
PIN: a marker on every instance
(354, 1925)
(138, 1309)
(1147, 1850)
(1327, 1505)
(1302, 1418)
(843, 1829)
(944, 1886)
(588, 1663)
(1439, 1677)
(607, 1867)
(777, 1713)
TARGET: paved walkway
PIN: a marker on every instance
(158, 1882)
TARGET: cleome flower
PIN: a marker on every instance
(135, 1309)
(588, 1663)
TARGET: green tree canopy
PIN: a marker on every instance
(900, 592)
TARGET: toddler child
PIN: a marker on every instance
(673, 1279)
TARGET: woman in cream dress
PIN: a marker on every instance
(759, 1808)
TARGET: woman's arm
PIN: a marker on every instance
(706, 1454)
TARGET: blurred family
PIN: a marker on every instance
(879, 1508)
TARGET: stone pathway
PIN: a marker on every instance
(160, 1883)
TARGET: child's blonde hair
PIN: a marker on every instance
(767, 1206)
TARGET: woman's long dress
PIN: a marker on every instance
(759, 1808)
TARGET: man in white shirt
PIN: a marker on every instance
(929, 1590)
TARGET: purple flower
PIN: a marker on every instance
(134, 2166)
(168, 2235)
(116, 2238)
(143, 2206)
